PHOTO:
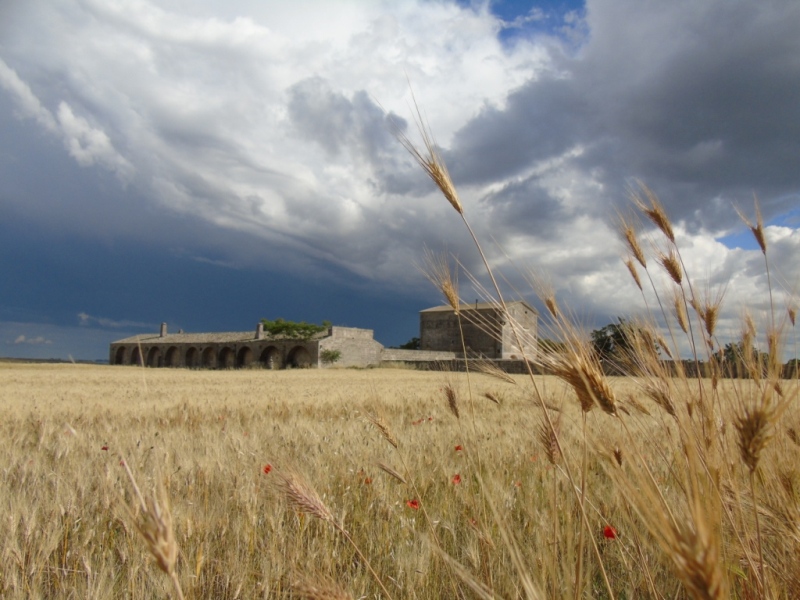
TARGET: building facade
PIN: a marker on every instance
(488, 331)
(233, 350)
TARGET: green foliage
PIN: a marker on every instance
(412, 344)
(739, 361)
(293, 329)
(612, 341)
(330, 356)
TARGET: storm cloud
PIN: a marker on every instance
(253, 136)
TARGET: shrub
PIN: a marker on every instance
(330, 356)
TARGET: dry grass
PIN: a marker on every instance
(210, 434)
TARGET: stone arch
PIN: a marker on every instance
(226, 358)
(136, 356)
(299, 358)
(173, 357)
(153, 357)
(191, 358)
(119, 356)
(271, 358)
(244, 357)
(208, 358)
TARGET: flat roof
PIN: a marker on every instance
(478, 306)
(226, 337)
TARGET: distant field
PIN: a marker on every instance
(479, 490)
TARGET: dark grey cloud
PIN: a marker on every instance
(247, 137)
(699, 100)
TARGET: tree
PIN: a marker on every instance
(737, 361)
(412, 344)
(613, 341)
(330, 356)
(624, 343)
(294, 329)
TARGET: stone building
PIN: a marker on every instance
(487, 330)
(246, 349)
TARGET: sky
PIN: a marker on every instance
(211, 163)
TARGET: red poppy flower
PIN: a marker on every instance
(267, 469)
(417, 422)
(609, 532)
(459, 448)
(104, 448)
(122, 463)
(518, 483)
(367, 480)
(456, 479)
(430, 418)
(413, 504)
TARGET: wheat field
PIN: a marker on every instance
(471, 506)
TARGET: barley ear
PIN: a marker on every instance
(651, 206)
(671, 265)
(303, 497)
(437, 269)
(430, 160)
(381, 426)
(390, 471)
(754, 426)
(452, 400)
(757, 228)
(548, 437)
(634, 273)
(152, 518)
(629, 234)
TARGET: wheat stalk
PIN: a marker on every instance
(152, 518)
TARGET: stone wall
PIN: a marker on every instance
(400, 355)
(357, 347)
(481, 330)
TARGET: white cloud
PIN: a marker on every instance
(88, 145)
(28, 103)
(35, 341)
(85, 320)
(271, 118)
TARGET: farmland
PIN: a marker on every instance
(469, 504)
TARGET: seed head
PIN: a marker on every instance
(672, 266)
(431, 161)
(303, 497)
(633, 272)
(652, 208)
(452, 399)
(383, 428)
(549, 439)
(754, 427)
(680, 311)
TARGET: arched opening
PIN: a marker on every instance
(119, 356)
(190, 360)
(299, 358)
(173, 357)
(244, 357)
(136, 357)
(271, 358)
(227, 359)
(209, 358)
(153, 357)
